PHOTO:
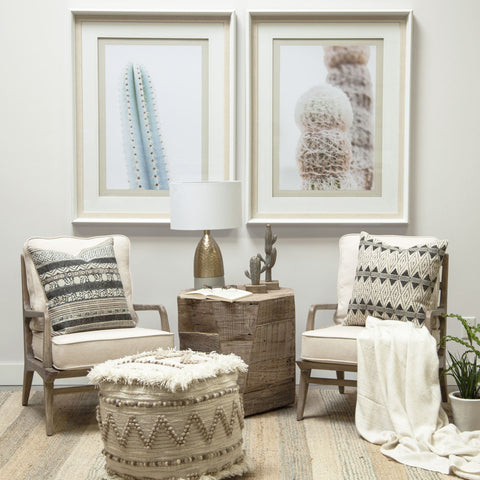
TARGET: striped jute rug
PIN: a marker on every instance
(325, 445)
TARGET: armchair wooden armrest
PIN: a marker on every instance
(32, 313)
(431, 314)
(28, 313)
(161, 311)
(314, 309)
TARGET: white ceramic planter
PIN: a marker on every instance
(466, 412)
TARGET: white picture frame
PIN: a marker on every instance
(187, 61)
(286, 50)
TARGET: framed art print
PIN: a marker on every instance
(153, 105)
(329, 115)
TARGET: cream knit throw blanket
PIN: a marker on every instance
(399, 401)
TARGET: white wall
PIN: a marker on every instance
(37, 160)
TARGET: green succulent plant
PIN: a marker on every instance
(465, 368)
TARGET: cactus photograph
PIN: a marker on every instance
(330, 105)
(154, 105)
(326, 117)
(154, 93)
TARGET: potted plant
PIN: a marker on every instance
(465, 369)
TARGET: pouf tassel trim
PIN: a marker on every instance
(170, 369)
(163, 403)
(174, 461)
(228, 470)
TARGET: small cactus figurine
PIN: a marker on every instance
(254, 273)
(256, 270)
(270, 257)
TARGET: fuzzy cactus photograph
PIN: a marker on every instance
(326, 117)
(154, 94)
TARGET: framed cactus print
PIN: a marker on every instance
(329, 116)
(153, 105)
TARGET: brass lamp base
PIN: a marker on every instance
(208, 263)
(206, 282)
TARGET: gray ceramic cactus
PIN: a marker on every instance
(270, 253)
(256, 270)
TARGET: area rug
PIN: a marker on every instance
(324, 446)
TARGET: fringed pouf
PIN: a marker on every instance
(172, 415)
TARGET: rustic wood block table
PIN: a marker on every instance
(260, 329)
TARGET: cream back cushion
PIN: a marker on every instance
(347, 264)
(74, 245)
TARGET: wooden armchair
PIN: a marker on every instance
(67, 355)
(334, 348)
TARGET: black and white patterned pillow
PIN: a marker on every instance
(394, 283)
(84, 292)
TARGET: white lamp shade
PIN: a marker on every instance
(205, 205)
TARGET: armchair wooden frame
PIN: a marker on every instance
(45, 367)
(433, 317)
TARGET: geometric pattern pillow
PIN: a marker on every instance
(84, 292)
(394, 283)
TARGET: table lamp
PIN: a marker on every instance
(206, 206)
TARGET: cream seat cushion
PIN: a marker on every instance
(70, 351)
(335, 344)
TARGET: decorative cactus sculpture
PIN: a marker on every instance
(270, 253)
(256, 270)
(145, 156)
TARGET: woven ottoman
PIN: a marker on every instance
(170, 414)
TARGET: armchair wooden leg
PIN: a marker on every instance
(48, 396)
(443, 386)
(302, 392)
(341, 376)
(27, 385)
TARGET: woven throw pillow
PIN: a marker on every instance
(394, 283)
(84, 292)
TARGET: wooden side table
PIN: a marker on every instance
(260, 329)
